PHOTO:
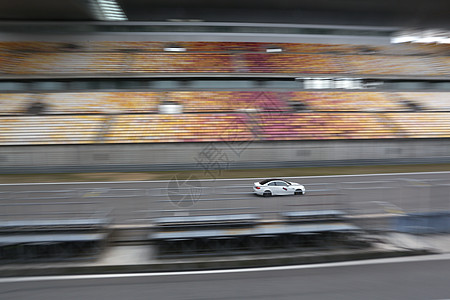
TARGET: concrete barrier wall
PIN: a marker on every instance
(173, 156)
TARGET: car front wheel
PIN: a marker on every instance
(298, 192)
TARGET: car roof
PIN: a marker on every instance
(269, 180)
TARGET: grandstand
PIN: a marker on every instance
(329, 83)
(210, 57)
(109, 117)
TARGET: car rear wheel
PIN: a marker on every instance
(298, 192)
(267, 194)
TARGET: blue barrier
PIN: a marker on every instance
(423, 223)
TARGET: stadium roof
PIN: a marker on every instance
(406, 13)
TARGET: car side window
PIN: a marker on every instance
(272, 184)
(281, 183)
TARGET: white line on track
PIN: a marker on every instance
(409, 259)
(226, 179)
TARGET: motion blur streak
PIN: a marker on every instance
(280, 268)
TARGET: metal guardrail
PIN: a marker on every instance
(255, 239)
(60, 231)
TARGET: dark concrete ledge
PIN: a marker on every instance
(209, 263)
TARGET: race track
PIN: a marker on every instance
(420, 278)
(139, 202)
(410, 278)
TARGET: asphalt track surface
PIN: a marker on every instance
(140, 201)
(135, 202)
(420, 278)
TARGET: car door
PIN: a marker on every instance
(273, 187)
(282, 188)
(285, 188)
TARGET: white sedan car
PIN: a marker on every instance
(269, 187)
